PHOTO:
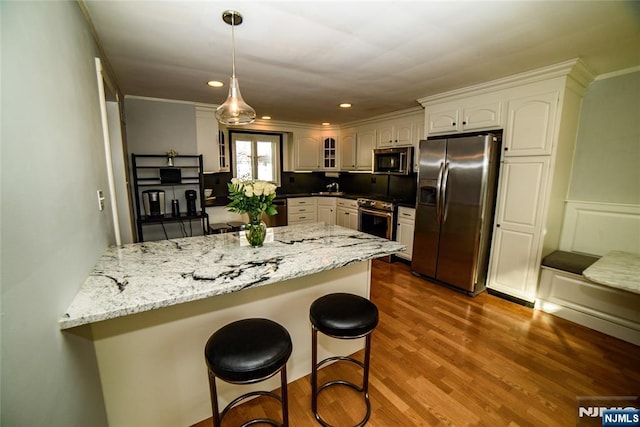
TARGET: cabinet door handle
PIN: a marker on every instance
(497, 225)
(453, 124)
(464, 123)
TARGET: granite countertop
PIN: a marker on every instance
(617, 269)
(145, 276)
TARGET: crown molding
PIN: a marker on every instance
(574, 68)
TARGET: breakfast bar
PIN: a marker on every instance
(150, 307)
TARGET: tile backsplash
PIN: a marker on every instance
(365, 184)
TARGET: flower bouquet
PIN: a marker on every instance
(253, 197)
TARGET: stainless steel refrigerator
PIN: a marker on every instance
(455, 206)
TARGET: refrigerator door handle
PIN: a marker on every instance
(445, 204)
(438, 191)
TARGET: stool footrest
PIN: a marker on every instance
(340, 382)
(245, 396)
(341, 359)
(348, 384)
(262, 421)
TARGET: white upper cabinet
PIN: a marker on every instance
(395, 134)
(443, 118)
(329, 154)
(365, 143)
(207, 140)
(464, 116)
(530, 125)
(307, 152)
(315, 152)
(348, 149)
(356, 149)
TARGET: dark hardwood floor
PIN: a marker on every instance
(442, 358)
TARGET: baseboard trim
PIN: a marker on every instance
(510, 298)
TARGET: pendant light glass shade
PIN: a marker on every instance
(234, 111)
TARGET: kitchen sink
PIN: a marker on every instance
(328, 193)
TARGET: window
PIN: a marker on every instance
(257, 156)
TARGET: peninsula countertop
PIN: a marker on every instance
(145, 276)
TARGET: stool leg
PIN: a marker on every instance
(214, 400)
(367, 357)
(314, 371)
(284, 396)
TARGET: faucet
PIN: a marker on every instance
(334, 186)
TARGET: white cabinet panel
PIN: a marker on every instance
(405, 228)
(481, 116)
(366, 142)
(515, 251)
(307, 152)
(530, 125)
(347, 213)
(520, 196)
(327, 210)
(442, 119)
(348, 150)
(464, 117)
(513, 266)
(395, 134)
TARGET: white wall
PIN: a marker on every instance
(606, 165)
(52, 163)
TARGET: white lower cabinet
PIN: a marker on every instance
(347, 213)
(404, 230)
(302, 210)
(327, 210)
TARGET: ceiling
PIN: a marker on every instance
(297, 60)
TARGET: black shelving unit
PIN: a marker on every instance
(147, 175)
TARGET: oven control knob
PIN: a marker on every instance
(386, 206)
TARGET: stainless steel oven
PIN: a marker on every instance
(377, 217)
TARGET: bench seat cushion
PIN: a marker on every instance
(569, 261)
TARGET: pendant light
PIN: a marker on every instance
(234, 111)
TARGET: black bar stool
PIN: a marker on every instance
(219, 227)
(342, 316)
(246, 352)
(236, 225)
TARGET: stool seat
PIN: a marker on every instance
(248, 350)
(343, 315)
(219, 227)
(235, 225)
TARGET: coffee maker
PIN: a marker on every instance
(191, 197)
(153, 202)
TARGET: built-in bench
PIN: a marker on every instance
(565, 292)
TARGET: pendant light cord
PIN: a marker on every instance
(233, 46)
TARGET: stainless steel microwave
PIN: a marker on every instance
(393, 161)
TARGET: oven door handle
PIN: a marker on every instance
(376, 212)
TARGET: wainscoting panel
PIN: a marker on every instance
(597, 228)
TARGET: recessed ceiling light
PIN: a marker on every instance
(345, 105)
(215, 83)
(266, 117)
(326, 124)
